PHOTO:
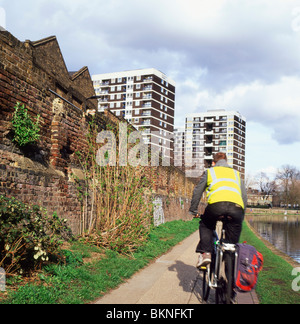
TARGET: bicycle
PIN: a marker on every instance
(220, 274)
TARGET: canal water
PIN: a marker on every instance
(282, 231)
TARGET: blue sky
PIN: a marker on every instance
(239, 55)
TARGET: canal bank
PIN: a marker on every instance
(275, 285)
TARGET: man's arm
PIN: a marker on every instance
(198, 192)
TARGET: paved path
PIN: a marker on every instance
(171, 279)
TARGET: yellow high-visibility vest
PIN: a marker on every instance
(224, 185)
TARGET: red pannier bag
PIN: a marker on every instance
(250, 263)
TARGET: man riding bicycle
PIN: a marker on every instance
(227, 198)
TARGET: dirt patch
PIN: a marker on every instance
(94, 257)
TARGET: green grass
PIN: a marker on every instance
(78, 283)
(275, 281)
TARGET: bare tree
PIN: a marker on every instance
(267, 186)
(288, 178)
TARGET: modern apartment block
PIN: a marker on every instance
(146, 99)
(212, 132)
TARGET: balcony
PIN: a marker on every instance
(146, 131)
(148, 79)
(146, 122)
(103, 92)
(147, 105)
(146, 114)
(208, 157)
(103, 100)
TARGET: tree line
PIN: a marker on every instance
(284, 187)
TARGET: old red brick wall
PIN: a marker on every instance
(41, 174)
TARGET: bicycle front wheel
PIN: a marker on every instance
(205, 284)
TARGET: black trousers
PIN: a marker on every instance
(209, 221)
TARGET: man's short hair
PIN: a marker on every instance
(220, 156)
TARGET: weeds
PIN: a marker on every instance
(77, 282)
(25, 130)
(29, 237)
(116, 212)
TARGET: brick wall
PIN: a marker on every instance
(41, 174)
(45, 188)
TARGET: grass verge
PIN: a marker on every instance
(78, 282)
(275, 281)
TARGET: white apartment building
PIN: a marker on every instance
(146, 99)
(211, 132)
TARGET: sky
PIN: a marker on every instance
(241, 55)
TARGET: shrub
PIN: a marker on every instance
(122, 213)
(28, 236)
(25, 130)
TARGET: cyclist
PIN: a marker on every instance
(227, 196)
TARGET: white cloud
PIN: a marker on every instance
(233, 54)
(276, 105)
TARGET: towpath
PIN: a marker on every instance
(171, 279)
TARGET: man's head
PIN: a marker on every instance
(220, 156)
